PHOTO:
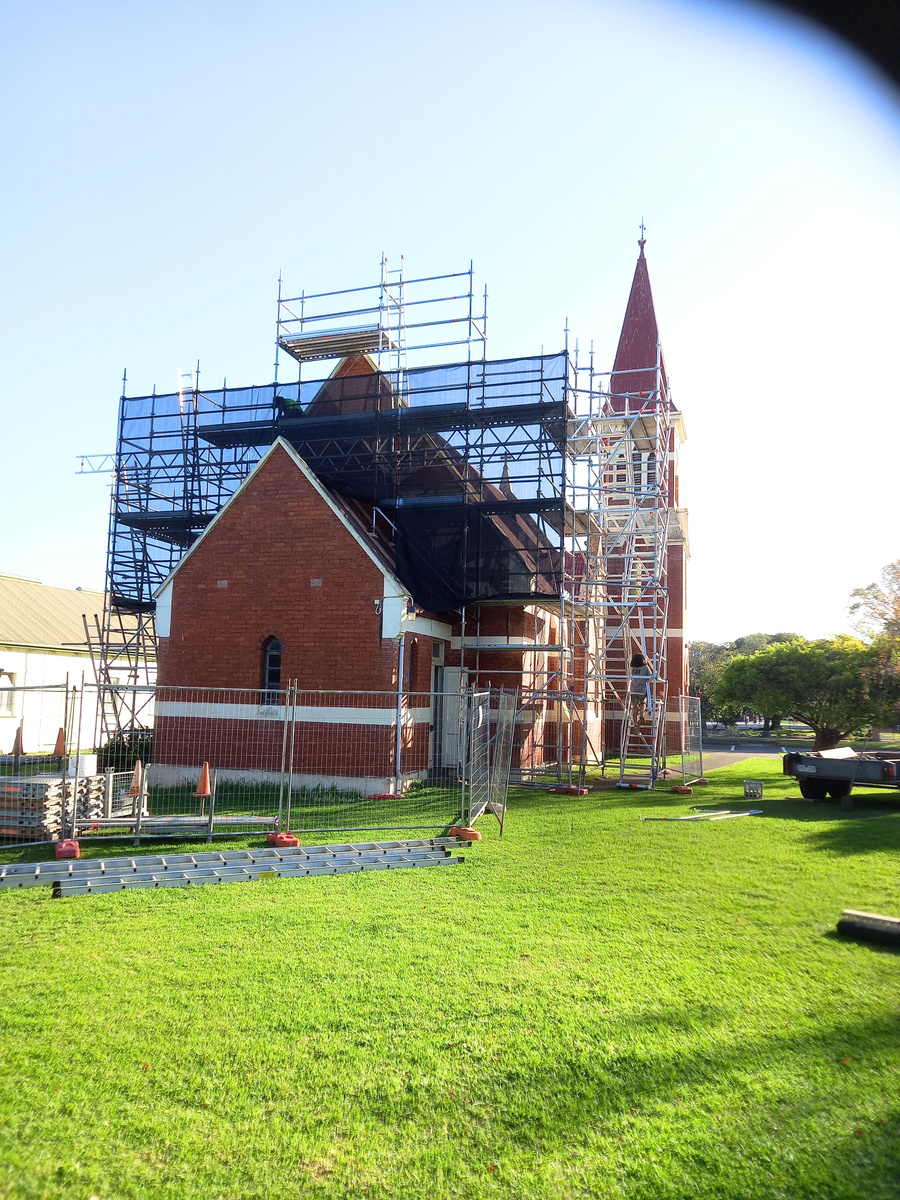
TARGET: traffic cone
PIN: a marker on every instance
(17, 750)
(59, 750)
(137, 779)
(203, 788)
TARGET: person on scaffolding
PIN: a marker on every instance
(638, 689)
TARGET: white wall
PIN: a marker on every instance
(40, 712)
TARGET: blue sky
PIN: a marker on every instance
(163, 162)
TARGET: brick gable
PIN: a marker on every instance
(277, 536)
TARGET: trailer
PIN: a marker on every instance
(835, 773)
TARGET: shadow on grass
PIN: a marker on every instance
(872, 824)
(769, 1082)
(523, 799)
(876, 947)
(874, 832)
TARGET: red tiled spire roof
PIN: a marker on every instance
(634, 369)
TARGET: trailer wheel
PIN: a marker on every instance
(813, 789)
(839, 789)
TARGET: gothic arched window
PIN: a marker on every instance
(271, 670)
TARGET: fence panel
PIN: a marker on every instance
(501, 758)
(691, 726)
(479, 757)
(216, 761)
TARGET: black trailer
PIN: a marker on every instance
(835, 773)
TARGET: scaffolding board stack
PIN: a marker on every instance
(39, 808)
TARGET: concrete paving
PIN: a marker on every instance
(724, 758)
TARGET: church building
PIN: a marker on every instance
(308, 576)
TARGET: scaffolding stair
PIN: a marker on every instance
(82, 877)
(638, 755)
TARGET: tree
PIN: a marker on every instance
(833, 687)
(707, 662)
(751, 642)
(876, 608)
(883, 676)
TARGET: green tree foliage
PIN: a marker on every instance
(707, 662)
(709, 659)
(838, 688)
(876, 609)
(751, 642)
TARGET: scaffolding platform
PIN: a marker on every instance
(335, 343)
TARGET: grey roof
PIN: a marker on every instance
(34, 615)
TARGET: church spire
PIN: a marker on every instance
(634, 369)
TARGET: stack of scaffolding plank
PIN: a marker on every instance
(33, 807)
(88, 876)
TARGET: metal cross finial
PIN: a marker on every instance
(642, 240)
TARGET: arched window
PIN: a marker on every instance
(271, 671)
(413, 667)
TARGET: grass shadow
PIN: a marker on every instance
(877, 832)
(877, 947)
(609, 1089)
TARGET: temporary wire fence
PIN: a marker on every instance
(218, 761)
(691, 727)
(488, 732)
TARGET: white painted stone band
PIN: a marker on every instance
(303, 713)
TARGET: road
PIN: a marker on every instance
(713, 758)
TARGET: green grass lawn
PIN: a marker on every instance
(594, 1005)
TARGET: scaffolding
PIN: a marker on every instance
(620, 451)
(531, 481)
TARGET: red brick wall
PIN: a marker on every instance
(274, 539)
(320, 748)
(677, 662)
(417, 666)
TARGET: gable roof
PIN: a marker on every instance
(36, 616)
(356, 385)
(437, 495)
(350, 513)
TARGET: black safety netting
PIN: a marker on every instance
(464, 464)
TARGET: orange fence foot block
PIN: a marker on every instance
(68, 848)
(682, 791)
(465, 834)
(285, 839)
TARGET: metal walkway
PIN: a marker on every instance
(79, 877)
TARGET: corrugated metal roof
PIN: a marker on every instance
(34, 615)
